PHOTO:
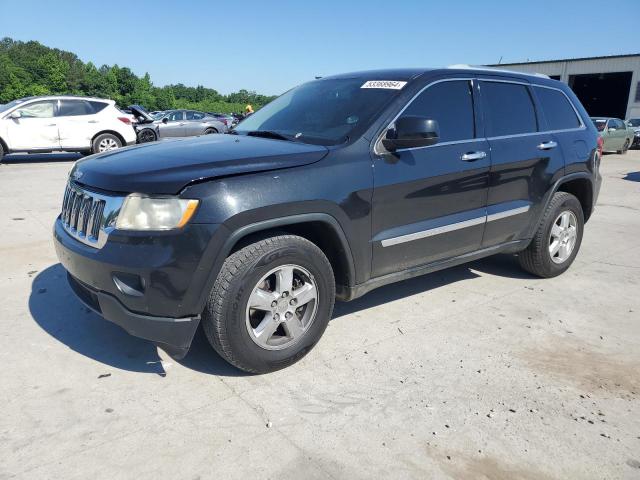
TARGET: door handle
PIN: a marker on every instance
(181, 124)
(52, 125)
(473, 156)
(92, 121)
(547, 145)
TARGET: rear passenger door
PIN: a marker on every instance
(77, 123)
(524, 160)
(429, 202)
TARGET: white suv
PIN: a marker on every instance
(54, 123)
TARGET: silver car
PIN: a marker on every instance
(176, 123)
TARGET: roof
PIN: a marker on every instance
(51, 97)
(577, 59)
(400, 74)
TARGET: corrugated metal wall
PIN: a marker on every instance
(567, 68)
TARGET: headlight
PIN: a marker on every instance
(139, 212)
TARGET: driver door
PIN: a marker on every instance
(429, 203)
(174, 126)
(35, 129)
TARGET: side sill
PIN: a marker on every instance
(347, 293)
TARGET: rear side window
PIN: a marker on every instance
(98, 106)
(556, 108)
(451, 104)
(195, 115)
(72, 108)
(508, 109)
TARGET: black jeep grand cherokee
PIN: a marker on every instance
(339, 186)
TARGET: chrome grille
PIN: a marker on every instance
(87, 215)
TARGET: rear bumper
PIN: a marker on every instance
(174, 335)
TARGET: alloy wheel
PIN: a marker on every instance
(107, 144)
(563, 236)
(282, 307)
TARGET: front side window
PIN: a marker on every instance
(450, 103)
(557, 110)
(43, 109)
(508, 109)
(599, 123)
(323, 112)
(175, 116)
(72, 108)
(195, 115)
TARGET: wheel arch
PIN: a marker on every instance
(581, 187)
(5, 147)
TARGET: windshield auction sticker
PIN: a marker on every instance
(388, 84)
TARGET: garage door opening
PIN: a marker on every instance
(603, 94)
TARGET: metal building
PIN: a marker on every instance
(606, 86)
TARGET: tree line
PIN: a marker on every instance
(30, 68)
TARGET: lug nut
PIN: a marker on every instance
(288, 315)
(285, 294)
(293, 302)
(274, 304)
(276, 317)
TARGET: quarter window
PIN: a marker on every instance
(508, 109)
(72, 108)
(451, 105)
(38, 110)
(557, 110)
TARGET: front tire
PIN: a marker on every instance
(105, 142)
(270, 304)
(147, 135)
(210, 131)
(558, 238)
(1, 152)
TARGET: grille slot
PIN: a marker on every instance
(82, 214)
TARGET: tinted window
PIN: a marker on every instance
(38, 110)
(71, 108)
(557, 110)
(98, 106)
(618, 124)
(508, 109)
(175, 116)
(599, 123)
(451, 104)
(195, 115)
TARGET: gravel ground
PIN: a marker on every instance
(477, 372)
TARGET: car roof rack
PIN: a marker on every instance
(464, 66)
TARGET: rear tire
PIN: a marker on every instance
(105, 142)
(1, 152)
(210, 131)
(287, 321)
(625, 147)
(555, 246)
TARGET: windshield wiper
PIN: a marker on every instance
(270, 134)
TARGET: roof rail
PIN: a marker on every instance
(464, 66)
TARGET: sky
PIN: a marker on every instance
(271, 46)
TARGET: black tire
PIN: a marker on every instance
(105, 137)
(625, 147)
(210, 131)
(147, 135)
(536, 258)
(224, 318)
(1, 152)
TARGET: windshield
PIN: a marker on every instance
(634, 122)
(323, 112)
(7, 106)
(599, 123)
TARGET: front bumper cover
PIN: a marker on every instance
(173, 335)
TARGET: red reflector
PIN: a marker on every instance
(600, 145)
(126, 120)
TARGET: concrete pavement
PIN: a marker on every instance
(477, 372)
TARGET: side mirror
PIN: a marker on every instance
(165, 120)
(15, 115)
(412, 132)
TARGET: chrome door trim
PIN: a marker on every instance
(507, 213)
(452, 227)
(433, 231)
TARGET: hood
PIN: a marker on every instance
(168, 166)
(141, 114)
